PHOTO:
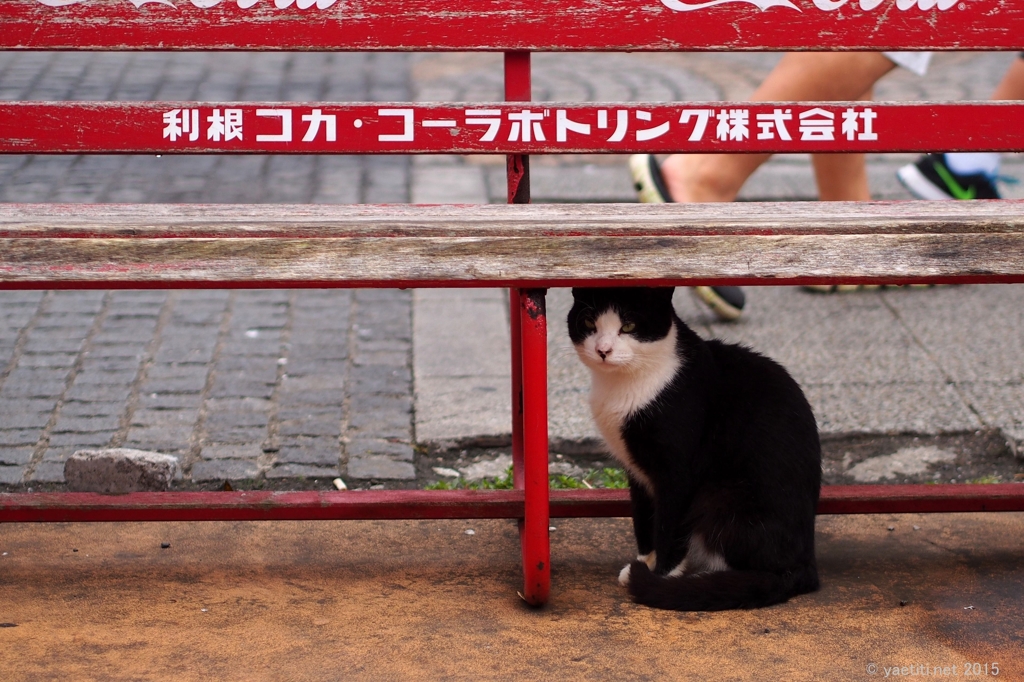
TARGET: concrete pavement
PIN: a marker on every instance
(293, 388)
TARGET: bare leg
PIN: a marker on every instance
(842, 177)
(799, 76)
(1012, 85)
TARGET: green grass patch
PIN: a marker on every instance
(986, 479)
(594, 478)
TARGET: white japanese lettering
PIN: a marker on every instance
(697, 134)
(407, 134)
(563, 124)
(286, 125)
(314, 119)
(227, 125)
(485, 117)
(523, 123)
(773, 123)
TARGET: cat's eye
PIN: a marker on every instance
(590, 324)
(628, 327)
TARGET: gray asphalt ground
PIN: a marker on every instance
(295, 388)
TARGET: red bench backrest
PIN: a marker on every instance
(504, 25)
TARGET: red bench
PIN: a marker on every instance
(525, 248)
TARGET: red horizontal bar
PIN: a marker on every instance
(459, 504)
(500, 128)
(544, 25)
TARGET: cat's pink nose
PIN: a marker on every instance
(602, 354)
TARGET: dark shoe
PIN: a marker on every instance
(929, 178)
(726, 302)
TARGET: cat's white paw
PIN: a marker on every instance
(650, 559)
(624, 576)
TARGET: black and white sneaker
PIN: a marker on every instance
(726, 302)
(930, 178)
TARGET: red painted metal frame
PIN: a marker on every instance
(529, 379)
(259, 505)
(487, 128)
(533, 25)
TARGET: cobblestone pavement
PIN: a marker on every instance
(266, 385)
(293, 388)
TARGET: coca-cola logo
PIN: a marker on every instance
(204, 4)
(824, 5)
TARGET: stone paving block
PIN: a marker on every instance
(236, 419)
(383, 423)
(91, 365)
(224, 470)
(381, 379)
(81, 439)
(178, 418)
(160, 438)
(98, 392)
(71, 424)
(48, 360)
(174, 385)
(48, 472)
(310, 427)
(76, 408)
(230, 388)
(115, 351)
(297, 471)
(300, 412)
(236, 434)
(106, 378)
(19, 436)
(169, 401)
(246, 451)
(11, 475)
(323, 453)
(296, 395)
(380, 467)
(26, 388)
(362, 447)
(15, 455)
(24, 420)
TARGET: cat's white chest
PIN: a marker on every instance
(615, 396)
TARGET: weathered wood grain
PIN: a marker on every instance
(665, 25)
(170, 246)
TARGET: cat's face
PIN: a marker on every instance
(620, 328)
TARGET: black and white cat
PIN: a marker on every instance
(720, 447)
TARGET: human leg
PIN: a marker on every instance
(798, 76)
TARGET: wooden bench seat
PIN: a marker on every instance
(503, 245)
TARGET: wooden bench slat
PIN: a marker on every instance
(666, 25)
(171, 246)
(408, 128)
(484, 220)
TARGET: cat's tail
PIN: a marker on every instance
(718, 591)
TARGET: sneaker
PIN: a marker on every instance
(726, 302)
(929, 178)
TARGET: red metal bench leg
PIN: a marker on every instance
(534, 527)
(529, 379)
(518, 473)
